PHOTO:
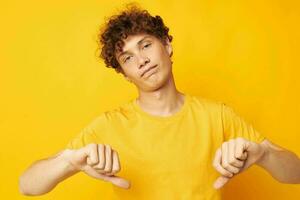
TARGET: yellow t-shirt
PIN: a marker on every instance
(167, 157)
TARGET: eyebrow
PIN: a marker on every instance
(139, 42)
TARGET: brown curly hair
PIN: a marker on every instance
(131, 21)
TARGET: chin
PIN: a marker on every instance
(155, 83)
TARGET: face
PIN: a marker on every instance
(146, 61)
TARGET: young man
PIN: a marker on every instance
(170, 145)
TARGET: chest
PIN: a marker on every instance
(178, 146)
(165, 156)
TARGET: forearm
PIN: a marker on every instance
(43, 175)
(282, 164)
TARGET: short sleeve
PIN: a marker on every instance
(89, 134)
(235, 126)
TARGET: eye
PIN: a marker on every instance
(127, 58)
(147, 45)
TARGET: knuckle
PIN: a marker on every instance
(108, 167)
(225, 173)
(231, 161)
(95, 161)
(100, 166)
(102, 163)
(240, 155)
(225, 165)
(219, 169)
(236, 170)
(237, 155)
(224, 162)
(108, 170)
(240, 164)
(228, 174)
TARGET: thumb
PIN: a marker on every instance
(118, 181)
(220, 182)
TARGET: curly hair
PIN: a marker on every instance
(131, 21)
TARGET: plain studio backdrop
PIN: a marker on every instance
(245, 53)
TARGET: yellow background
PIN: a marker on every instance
(245, 53)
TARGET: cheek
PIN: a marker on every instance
(133, 75)
(162, 56)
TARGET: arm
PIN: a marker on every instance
(282, 164)
(237, 155)
(96, 160)
(43, 175)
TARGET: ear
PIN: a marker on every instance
(169, 47)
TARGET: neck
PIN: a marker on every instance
(163, 102)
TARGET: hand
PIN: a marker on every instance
(235, 156)
(98, 161)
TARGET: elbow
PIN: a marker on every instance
(24, 189)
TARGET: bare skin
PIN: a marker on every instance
(96, 160)
(146, 62)
(237, 155)
(158, 95)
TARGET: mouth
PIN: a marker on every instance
(148, 70)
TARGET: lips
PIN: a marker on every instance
(148, 70)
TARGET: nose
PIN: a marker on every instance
(143, 60)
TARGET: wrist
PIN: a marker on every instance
(66, 156)
(265, 155)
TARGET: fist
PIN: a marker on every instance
(233, 157)
(98, 161)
